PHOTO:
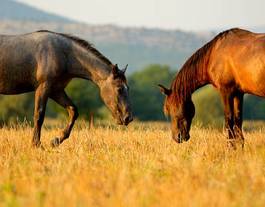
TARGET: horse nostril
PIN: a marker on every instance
(128, 119)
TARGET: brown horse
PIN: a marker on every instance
(46, 62)
(234, 63)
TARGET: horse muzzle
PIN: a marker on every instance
(125, 121)
(180, 138)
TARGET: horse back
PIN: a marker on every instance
(238, 62)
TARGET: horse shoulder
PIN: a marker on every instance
(51, 56)
(219, 67)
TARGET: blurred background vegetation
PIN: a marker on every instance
(147, 101)
(136, 46)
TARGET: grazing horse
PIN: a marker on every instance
(46, 61)
(234, 63)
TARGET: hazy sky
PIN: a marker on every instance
(170, 14)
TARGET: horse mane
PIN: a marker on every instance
(83, 43)
(194, 69)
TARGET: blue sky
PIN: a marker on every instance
(168, 14)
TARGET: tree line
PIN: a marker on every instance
(146, 99)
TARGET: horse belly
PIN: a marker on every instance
(255, 88)
(16, 81)
(252, 81)
(17, 89)
(17, 72)
(12, 88)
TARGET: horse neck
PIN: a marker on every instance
(188, 80)
(89, 66)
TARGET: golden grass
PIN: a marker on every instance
(138, 166)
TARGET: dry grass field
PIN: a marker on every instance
(138, 166)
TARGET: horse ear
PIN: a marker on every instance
(164, 90)
(115, 69)
(124, 70)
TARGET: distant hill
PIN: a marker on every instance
(136, 46)
(13, 10)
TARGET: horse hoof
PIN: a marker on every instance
(55, 142)
(235, 144)
(232, 146)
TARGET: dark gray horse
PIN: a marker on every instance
(46, 61)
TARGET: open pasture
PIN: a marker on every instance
(138, 166)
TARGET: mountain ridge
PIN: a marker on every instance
(136, 46)
(14, 10)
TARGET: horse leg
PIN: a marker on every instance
(229, 115)
(238, 108)
(62, 99)
(41, 97)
